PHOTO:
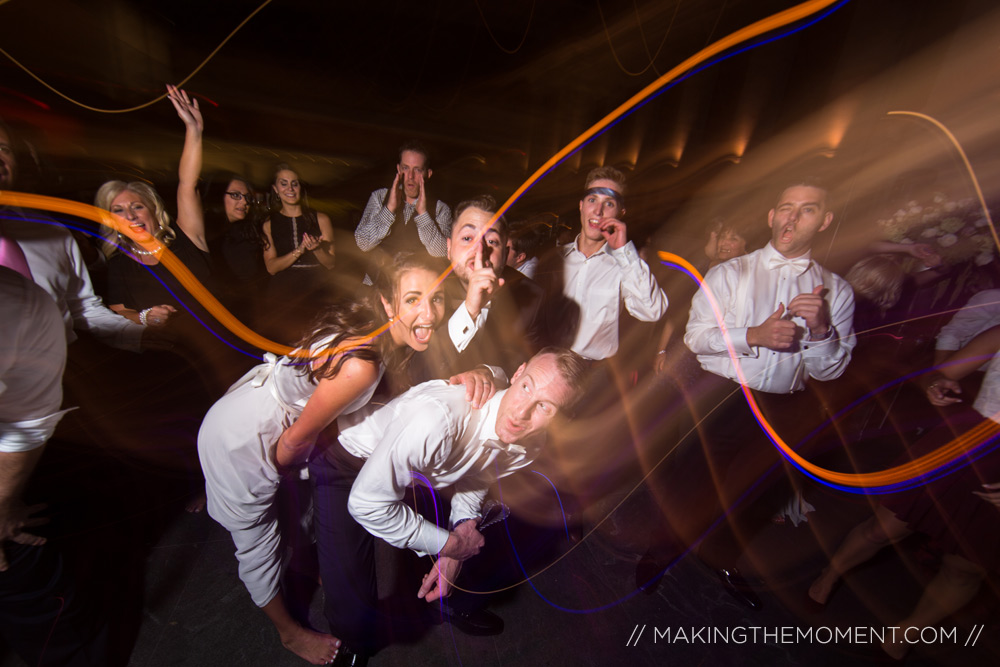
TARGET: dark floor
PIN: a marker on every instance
(171, 579)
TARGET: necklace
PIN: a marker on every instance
(136, 250)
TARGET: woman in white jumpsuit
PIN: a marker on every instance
(268, 422)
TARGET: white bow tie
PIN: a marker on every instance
(798, 265)
(504, 447)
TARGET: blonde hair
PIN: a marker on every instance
(110, 190)
(878, 279)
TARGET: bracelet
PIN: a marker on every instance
(143, 315)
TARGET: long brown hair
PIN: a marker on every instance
(360, 318)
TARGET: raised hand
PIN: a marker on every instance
(483, 282)
(421, 204)
(187, 108)
(392, 201)
(774, 333)
(614, 232)
(814, 309)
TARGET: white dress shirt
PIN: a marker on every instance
(599, 284)
(57, 266)
(32, 359)
(433, 436)
(529, 267)
(748, 290)
(376, 223)
(982, 312)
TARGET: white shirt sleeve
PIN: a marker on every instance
(89, 312)
(643, 297)
(704, 334)
(418, 438)
(979, 314)
(827, 359)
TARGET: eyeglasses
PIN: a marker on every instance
(240, 195)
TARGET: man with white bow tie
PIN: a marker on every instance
(787, 318)
(770, 320)
(430, 436)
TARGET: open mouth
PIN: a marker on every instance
(787, 232)
(422, 333)
(514, 427)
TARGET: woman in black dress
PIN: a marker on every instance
(298, 253)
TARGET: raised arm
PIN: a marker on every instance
(433, 228)
(190, 216)
(377, 219)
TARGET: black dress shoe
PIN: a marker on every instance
(348, 658)
(738, 588)
(649, 572)
(478, 623)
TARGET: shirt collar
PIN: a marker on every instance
(574, 245)
(769, 253)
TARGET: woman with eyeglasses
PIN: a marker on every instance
(236, 244)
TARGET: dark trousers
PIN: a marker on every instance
(346, 553)
(723, 482)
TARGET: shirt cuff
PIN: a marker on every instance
(23, 436)
(740, 344)
(462, 328)
(625, 256)
(819, 348)
(424, 219)
(430, 539)
(947, 344)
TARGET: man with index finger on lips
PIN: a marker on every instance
(495, 319)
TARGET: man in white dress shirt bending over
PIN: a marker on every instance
(432, 436)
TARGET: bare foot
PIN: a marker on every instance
(314, 647)
(196, 504)
(820, 590)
